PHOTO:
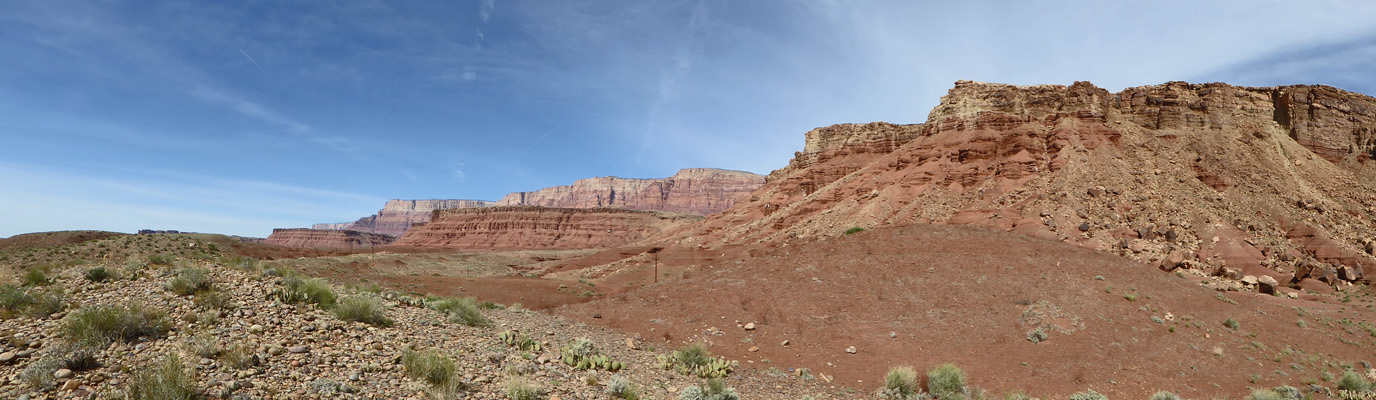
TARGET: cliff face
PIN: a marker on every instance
(698, 191)
(1212, 173)
(327, 239)
(507, 228)
(397, 216)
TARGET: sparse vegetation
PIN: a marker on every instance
(1088, 395)
(900, 383)
(1264, 394)
(239, 356)
(619, 387)
(39, 374)
(36, 276)
(694, 359)
(97, 274)
(712, 389)
(1036, 335)
(1231, 323)
(166, 380)
(582, 354)
(190, 281)
(947, 382)
(103, 324)
(854, 230)
(430, 366)
(362, 308)
(520, 388)
(462, 310)
(1352, 381)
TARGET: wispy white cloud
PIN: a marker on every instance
(485, 12)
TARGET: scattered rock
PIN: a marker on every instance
(631, 344)
(750, 326)
(63, 373)
(1267, 285)
(784, 343)
(753, 349)
(850, 349)
(7, 357)
(297, 349)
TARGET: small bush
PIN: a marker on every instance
(1351, 381)
(520, 388)
(1036, 335)
(101, 325)
(189, 281)
(97, 274)
(694, 359)
(39, 374)
(619, 387)
(213, 300)
(1165, 395)
(44, 303)
(36, 276)
(14, 298)
(160, 259)
(166, 380)
(854, 230)
(239, 356)
(712, 389)
(204, 346)
(462, 310)
(1288, 392)
(430, 366)
(1264, 394)
(947, 382)
(901, 382)
(365, 309)
(1088, 395)
(1231, 323)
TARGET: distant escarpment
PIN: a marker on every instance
(529, 227)
(1224, 179)
(397, 216)
(327, 239)
(698, 191)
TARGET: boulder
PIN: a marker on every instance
(1267, 285)
(1228, 272)
(1325, 273)
(1349, 273)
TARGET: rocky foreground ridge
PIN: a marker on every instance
(1266, 181)
(327, 239)
(397, 216)
(531, 227)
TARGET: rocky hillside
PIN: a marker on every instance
(1266, 181)
(699, 191)
(236, 328)
(397, 216)
(527, 227)
(327, 239)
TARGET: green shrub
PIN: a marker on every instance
(160, 259)
(213, 300)
(104, 324)
(239, 356)
(320, 292)
(14, 298)
(520, 388)
(363, 308)
(45, 303)
(947, 382)
(712, 389)
(430, 366)
(204, 346)
(1088, 395)
(1231, 323)
(1036, 335)
(900, 382)
(855, 230)
(97, 274)
(36, 276)
(1351, 381)
(1288, 392)
(165, 380)
(462, 310)
(1165, 395)
(189, 281)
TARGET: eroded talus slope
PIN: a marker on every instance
(1257, 179)
(528, 227)
(397, 216)
(327, 239)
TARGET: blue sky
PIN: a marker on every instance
(241, 116)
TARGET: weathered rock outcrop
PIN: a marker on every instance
(698, 191)
(528, 227)
(1218, 172)
(397, 216)
(327, 239)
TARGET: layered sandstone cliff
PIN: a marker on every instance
(327, 239)
(698, 191)
(529, 227)
(397, 216)
(1211, 174)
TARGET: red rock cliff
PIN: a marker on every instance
(327, 239)
(1219, 173)
(397, 216)
(698, 191)
(527, 227)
